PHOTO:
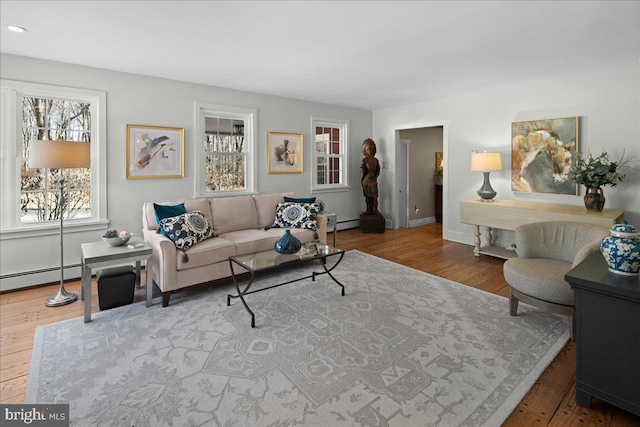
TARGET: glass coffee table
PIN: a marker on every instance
(261, 262)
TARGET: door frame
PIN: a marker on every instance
(403, 182)
(445, 177)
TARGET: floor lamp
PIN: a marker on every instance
(60, 155)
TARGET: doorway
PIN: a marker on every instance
(420, 177)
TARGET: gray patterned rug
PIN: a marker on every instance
(402, 348)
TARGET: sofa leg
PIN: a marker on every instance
(513, 303)
(165, 298)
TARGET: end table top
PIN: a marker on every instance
(593, 274)
(97, 252)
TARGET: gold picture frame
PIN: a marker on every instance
(154, 152)
(284, 152)
(540, 155)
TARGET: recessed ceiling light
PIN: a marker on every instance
(16, 29)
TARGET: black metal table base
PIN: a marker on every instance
(245, 291)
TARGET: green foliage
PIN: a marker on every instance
(594, 172)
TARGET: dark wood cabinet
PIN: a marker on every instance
(438, 194)
(608, 334)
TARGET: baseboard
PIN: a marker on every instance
(38, 278)
(422, 221)
(348, 224)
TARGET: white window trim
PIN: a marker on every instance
(327, 188)
(10, 226)
(235, 113)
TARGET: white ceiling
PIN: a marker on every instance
(369, 55)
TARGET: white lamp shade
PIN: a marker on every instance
(484, 162)
(59, 154)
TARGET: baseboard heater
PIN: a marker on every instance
(43, 270)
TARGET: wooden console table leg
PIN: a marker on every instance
(476, 249)
(489, 237)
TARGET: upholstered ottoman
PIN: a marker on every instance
(116, 286)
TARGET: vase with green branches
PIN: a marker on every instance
(595, 173)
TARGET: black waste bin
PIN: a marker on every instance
(116, 286)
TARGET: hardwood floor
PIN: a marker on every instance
(550, 402)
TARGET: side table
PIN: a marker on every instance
(607, 338)
(99, 255)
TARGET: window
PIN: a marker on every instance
(31, 197)
(330, 154)
(225, 159)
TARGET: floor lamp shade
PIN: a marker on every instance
(60, 155)
(486, 162)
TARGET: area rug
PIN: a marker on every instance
(401, 348)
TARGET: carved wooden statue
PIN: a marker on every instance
(370, 168)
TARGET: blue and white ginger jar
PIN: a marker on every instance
(621, 249)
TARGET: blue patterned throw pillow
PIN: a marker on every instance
(296, 215)
(186, 230)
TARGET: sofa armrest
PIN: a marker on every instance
(321, 227)
(163, 259)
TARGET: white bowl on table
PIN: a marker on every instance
(116, 241)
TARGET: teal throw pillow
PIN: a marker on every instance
(300, 199)
(167, 211)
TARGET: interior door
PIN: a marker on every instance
(403, 182)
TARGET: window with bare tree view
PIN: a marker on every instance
(54, 120)
(226, 161)
(226, 157)
(31, 196)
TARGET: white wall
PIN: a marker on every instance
(609, 109)
(135, 99)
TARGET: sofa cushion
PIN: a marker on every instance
(202, 205)
(248, 241)
(301, 234)
(207, 252)
(266, 205)
(540, 278)
(187, 229)
(296, 215)
(233, 214)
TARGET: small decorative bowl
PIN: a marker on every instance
(116, 241)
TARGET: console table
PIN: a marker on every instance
(508, 214)
(607, 338)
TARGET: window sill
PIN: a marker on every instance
(51, 228)
(319, 190)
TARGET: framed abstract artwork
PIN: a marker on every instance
(541, 155)
(155, 152)
(284, 152)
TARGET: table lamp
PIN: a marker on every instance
(60, 155)
(486, 162)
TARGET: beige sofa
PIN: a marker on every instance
(239, 222)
